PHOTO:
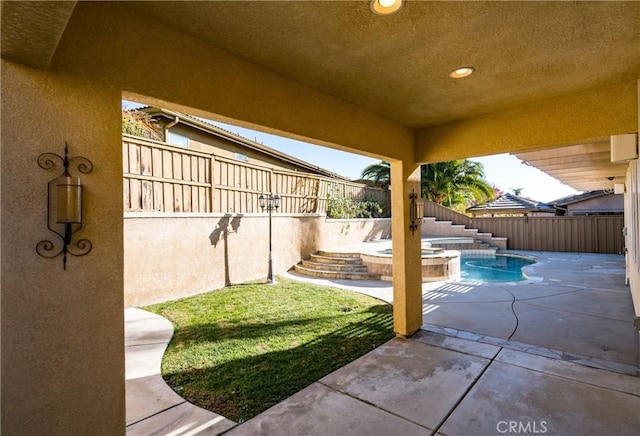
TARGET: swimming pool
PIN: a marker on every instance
(498, 268)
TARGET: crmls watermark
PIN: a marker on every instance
(522, 427)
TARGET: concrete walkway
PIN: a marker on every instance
(556, 354)
(153, 408)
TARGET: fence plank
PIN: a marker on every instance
(177, 199)
(157, 162)
(186, 198)
(126, 194)
(167, 194)
(146, 165)
(134, 159)
(176, 159)
(147, 194)
(167, 164)
(125, 157)
(158, 196)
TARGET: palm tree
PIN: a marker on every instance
(452, 183)
(457, 182)
(380, 173)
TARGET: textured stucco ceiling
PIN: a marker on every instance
(30, 35)
(398, 65)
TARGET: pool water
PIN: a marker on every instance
(498, 268)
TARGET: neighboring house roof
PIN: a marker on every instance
(510, 203)
(203, 125)
(571, 199)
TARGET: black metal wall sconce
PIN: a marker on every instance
(415, 212)
(64, 206)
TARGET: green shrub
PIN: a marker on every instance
(339, 206)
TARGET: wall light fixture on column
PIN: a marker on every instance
(416, 209)
(64, 206)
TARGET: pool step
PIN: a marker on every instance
(465, 245)
(335, 265)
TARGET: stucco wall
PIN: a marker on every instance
(632, 236)
(169, 256)
(608, 203)
(62, 331)
(632, 224)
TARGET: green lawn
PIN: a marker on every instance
(242, 349)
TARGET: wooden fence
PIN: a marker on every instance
(163, 178)
(585, 234)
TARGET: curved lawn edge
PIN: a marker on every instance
(239, 350)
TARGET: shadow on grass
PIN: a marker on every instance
(241, 388)
(228, 330)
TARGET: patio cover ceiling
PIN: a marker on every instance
(398, 65)
(584, 167)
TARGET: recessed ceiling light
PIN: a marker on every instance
(386, 7)
(461, 72)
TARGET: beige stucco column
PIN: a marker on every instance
(62, 330)
(407, 274)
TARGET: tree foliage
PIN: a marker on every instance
(380, 173)
(455, 184)
(138, 123)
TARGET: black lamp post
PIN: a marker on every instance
(271, 202)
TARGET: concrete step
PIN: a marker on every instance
(431, 226)
(336, 274)
(334, 259)
(441, 224)
(337, 254)
(323, 266)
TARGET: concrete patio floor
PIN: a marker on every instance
(556, 354)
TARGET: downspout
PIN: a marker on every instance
(565, 209)
(168, 126)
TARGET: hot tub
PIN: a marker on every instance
(437, 264)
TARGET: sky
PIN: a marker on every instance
(503, 171)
